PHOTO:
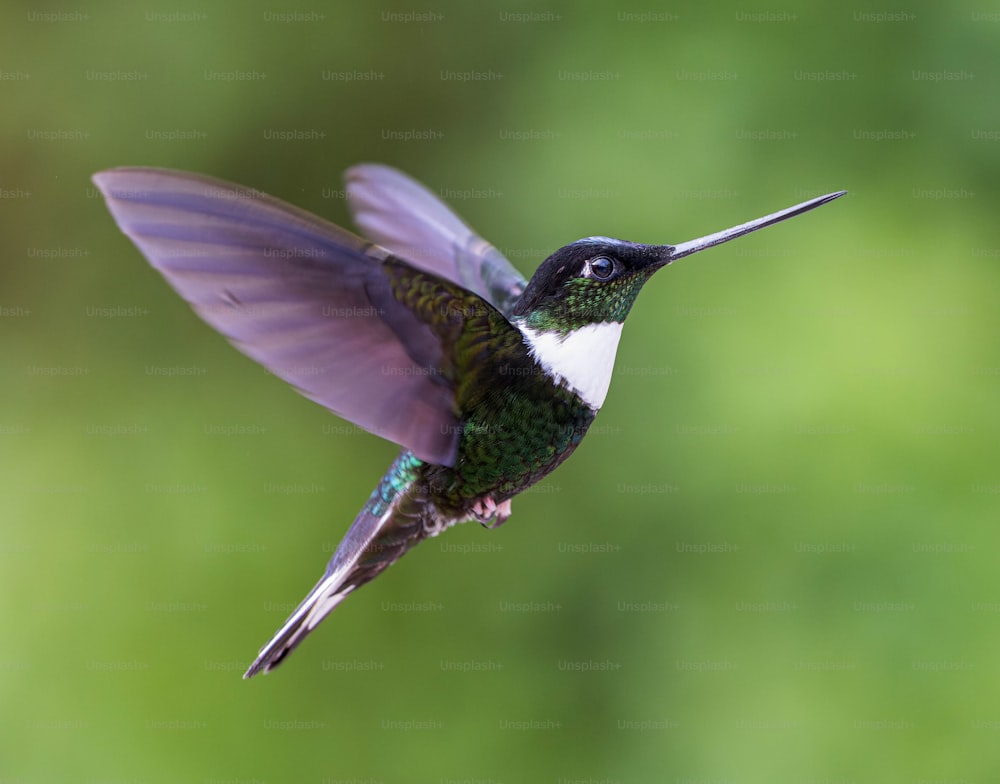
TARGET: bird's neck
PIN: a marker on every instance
(583, 358)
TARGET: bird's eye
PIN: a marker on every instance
(601, 267)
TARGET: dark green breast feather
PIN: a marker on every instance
(516, 424)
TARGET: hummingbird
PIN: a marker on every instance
(423, 334)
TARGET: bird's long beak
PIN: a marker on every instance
(674, 252)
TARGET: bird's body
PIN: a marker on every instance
(429, 338)
(511, 437)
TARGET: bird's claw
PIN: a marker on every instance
(489, 513)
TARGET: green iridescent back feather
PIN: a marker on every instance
(515, 426)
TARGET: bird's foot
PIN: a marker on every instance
(491, 514)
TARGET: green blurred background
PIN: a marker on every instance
(773, 560)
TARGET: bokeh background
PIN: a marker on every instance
(773, 560)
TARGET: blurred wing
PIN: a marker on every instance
(402, 215)
(311, 302)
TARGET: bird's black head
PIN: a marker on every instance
(596, 280)
(590, 281)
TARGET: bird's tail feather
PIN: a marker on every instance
(391, 523)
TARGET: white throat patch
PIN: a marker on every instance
(584, 358)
